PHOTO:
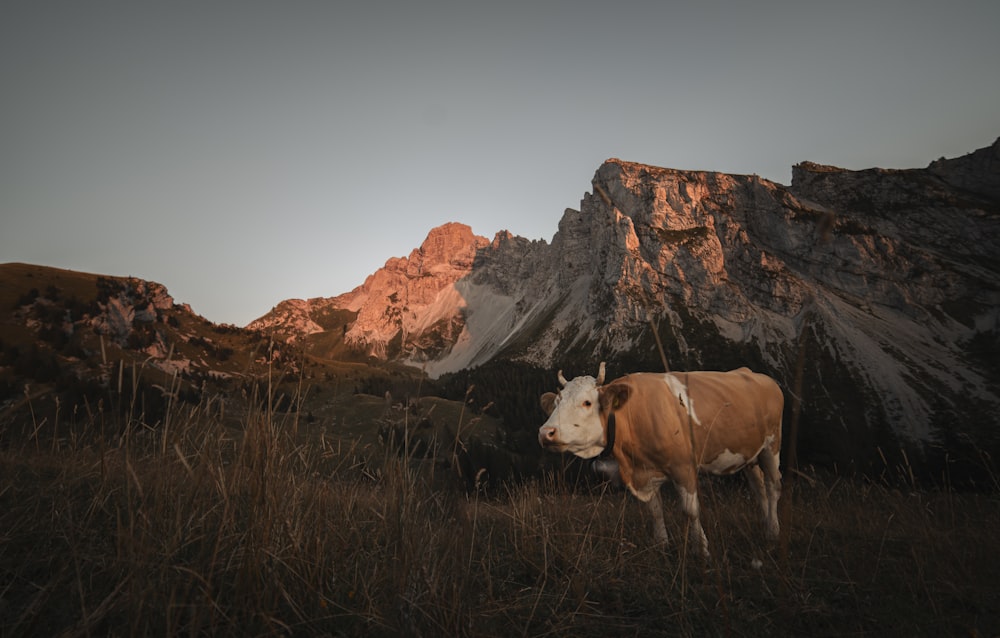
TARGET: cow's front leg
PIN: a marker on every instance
(649, 493)
(655, 504)
(688, 492)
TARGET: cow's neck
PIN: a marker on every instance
(609, 437)
(624, 452)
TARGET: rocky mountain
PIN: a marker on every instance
(70, 329)
(879, 289)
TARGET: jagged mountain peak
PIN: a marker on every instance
(406, 297)
(451, 245)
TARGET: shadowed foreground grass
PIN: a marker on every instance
(196, 530)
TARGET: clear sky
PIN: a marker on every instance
(243, 152)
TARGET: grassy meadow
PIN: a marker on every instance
(194, 526)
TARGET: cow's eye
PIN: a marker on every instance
(586, 404)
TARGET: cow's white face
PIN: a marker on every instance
(574, 423)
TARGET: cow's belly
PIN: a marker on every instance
(726, 463)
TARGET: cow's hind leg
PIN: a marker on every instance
(768, 461)
(755, 479)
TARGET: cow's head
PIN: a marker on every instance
(578, 414)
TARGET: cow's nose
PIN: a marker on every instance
(546, 435)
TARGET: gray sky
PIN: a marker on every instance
(243, 152)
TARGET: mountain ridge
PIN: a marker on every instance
(891, 274)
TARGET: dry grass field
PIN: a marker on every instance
(109, 527)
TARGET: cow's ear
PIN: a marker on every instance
(548, 402)
(615, 395)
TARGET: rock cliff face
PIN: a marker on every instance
(886, 281)
(411, 308)
(123, 305)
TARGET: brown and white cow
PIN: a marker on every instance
(662, 427)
